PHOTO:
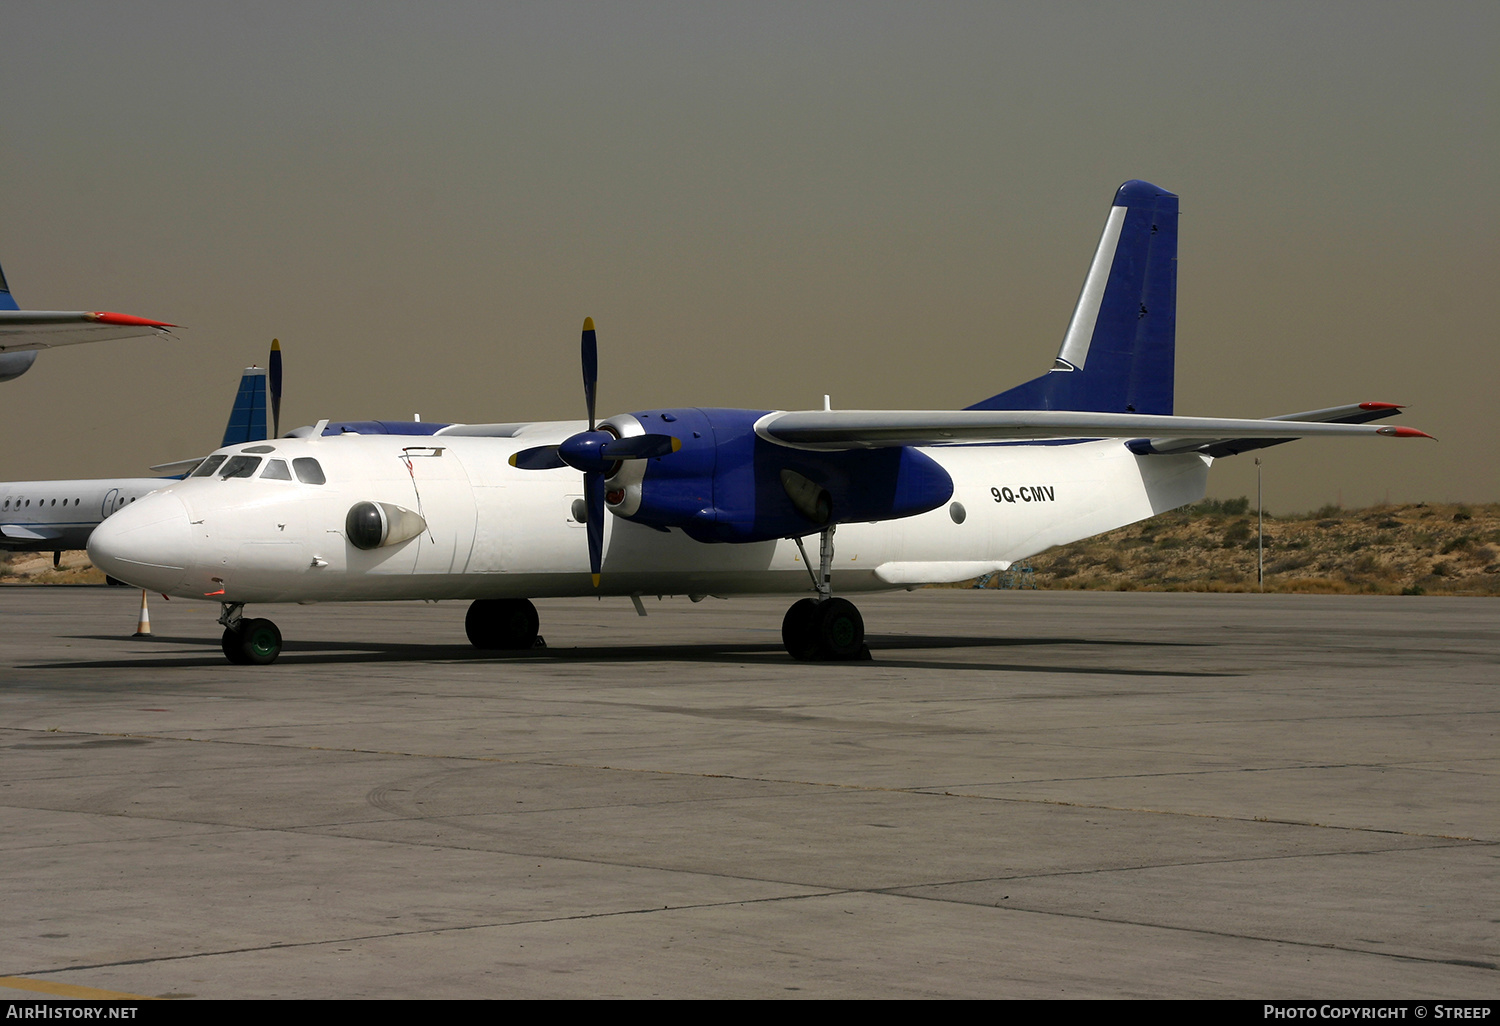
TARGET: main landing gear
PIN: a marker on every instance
(248, 642)
(824, 627)
(502, 625)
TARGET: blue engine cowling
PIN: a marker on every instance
(727, 484)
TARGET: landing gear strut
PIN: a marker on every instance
(824, 627)
(248, 642)
(502, 624)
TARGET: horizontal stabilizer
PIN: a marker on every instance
(873, 429)
(179, 468)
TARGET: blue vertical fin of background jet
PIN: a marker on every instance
(247, 418)
(7, 301)
(1126, 363)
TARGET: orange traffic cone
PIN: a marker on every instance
(143, 627)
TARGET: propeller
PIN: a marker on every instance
(275, 383)
(594, 452)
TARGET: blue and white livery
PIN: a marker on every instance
(695, 501)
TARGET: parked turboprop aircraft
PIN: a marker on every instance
(24, 332)
(59, 516)
(715, 501)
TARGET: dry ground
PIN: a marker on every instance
(1422, 548)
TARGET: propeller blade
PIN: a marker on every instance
(275, 383)
(593, 497)
(640, 447)
(543, 457)
(590, 366)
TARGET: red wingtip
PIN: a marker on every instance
(105, 317)
(1381, 406)
(1403, 432)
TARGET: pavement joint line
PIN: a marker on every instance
(929, 789)
(438, 931)
(837, 892)
(1227, 934)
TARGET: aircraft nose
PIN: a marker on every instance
(147, 544)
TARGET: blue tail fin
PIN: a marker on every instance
(1119, 353)
(7, 301)
(247, 418)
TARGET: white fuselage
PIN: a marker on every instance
(47, 516)
(493, 531)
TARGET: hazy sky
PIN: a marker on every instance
(758, 203)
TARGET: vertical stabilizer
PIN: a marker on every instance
(7, 301)
(1119, 353)
(247, 418)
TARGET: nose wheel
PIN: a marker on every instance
(255, 642)
(824, 627)
(248, 641)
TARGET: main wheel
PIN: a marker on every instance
(501, 624)
(252, 643)
(840, 630)
(799, 629)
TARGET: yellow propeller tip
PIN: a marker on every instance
(596, 580)
(588, 324)
(276, 345)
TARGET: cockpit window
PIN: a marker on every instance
(239, 466)
(308, 471)
(208, 466)
(276, 471)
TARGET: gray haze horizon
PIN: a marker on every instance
(758, 204)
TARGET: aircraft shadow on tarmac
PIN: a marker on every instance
(892, 650)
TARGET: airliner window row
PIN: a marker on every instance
(307, 469)
(24, 503)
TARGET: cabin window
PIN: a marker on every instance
(308, 471)
(276, 470)
(239, 466)
(208, 466)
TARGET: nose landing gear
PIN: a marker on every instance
(248, 642)
(824, 627)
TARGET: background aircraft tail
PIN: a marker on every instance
(247, 418)
(1120, 350)
(7, 301)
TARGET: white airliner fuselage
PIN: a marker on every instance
(493, 531)
(55, 516)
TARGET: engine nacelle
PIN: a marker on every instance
(728, 484)
(13, 365)
(371, 525)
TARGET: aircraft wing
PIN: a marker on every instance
(874, 429)
(23, 330)
(1354, 413)
(29, 532)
